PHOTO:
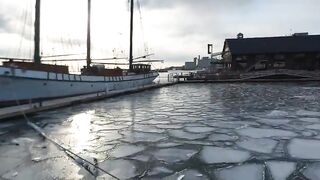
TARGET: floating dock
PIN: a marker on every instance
(27, 109)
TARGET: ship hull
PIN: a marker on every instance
(18, 85)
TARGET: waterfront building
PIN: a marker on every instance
(297, 52)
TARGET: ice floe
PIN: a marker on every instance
(277, 114)
(281, 170)
(126, 150)
(312, 171)
(185, 135)
(246, 172)
(122, 169)
(189, 174)
(135, 137)
(212, 155)
(308, 113)
(258, 145)
(159, 171)
(264, 133)
(174, 155)
(199, 129)
(222, 137)
(304, 149)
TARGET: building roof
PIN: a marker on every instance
(271, 45)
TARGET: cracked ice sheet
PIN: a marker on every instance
(212, 155)
(304, 149)
(246, 172)
(122, 169)
(135, 137)
(187, 175)
(174, 155)
(264, 133)
(281, 170)
(185, 135)
(126, 150)
(258, 145)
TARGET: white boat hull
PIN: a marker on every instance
(21, 85)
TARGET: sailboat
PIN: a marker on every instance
(33, 81)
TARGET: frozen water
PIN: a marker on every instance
(314, 126)
(104, 148)
(187, 175)
(171, 126)
(167, 145)
(159, 171)
(142, 158)
(109, 136)
(222, 137)
(274, 121)
(245, 172)
(311, 120)
(185, 135)
(308, 113)
(148, 129)
(258, 145)
(126, 150)
(134, 137)
(281, 170)
(304, 148)
(174, 155)
(211, 155)
(22, 141)
(199, 129)
(122, 169)
(263, 133)
(277, 114)
(313, 171)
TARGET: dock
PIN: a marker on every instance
(33, 108)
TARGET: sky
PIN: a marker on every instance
(174, 30)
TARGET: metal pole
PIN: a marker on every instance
(89, 35)
(131, 36)
(36, 55)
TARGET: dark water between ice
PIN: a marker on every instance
(191, 131)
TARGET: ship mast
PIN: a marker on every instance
(89, 35)
(37, 57)
(131, 36)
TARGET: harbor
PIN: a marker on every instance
(196, 132)
(167, 89)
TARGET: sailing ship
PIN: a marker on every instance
(22, 81)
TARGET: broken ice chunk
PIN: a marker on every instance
(281, 170)
(211, 155)
(247, 172)
(304, 148)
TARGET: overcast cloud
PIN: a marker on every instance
(178, 30)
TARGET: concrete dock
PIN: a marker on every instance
(27, 109)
